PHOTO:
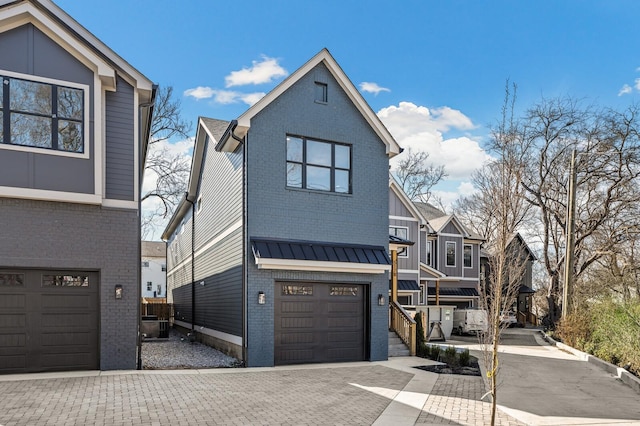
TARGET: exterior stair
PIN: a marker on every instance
(396, 346)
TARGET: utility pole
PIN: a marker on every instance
(567, 291)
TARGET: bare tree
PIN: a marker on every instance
(501, 204)
(607, 171)
(169, 170)
(417, 176)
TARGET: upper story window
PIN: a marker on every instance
(468, 263)
(145, 263)
(164, 268)
(400, 232)
(322, 92)
(322, 166)
(41, 115)
(429, 250)
(451, 253)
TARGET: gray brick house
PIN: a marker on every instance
(74, 120)
(282, 236)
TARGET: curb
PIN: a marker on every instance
(626, 377)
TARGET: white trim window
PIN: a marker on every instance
(42, 113)
(450, 251)
(467, 255)
(429, 253)
(400, 232)
(318, 165)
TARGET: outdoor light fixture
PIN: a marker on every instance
(380, 300)
(118, 291)
(262, 298)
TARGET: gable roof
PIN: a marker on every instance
(243, 123)
(84, 46)
(404, 198)
(214, 129)
(439, 219)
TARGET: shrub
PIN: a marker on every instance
(464, 357)
(434, 352)
(450, 356)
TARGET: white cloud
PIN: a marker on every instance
(448, 198)
(224, 97)
(260, 72)
(181, 148)
(200, 92)
(369, 87)
(422, 129)
(626, 89)
(636, 83)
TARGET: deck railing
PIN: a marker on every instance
(403, 325)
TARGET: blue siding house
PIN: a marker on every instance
(444, 268)
(278, 253)
(74, 123)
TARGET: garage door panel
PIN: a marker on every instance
(13, 363)
(50, 324)
(67, 321)
(55, 301)
(318, 322)
(296, 307)
(66, 339)
(12, 301)
(16, 340)
(66, 360)
(12, 321)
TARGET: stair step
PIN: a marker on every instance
(397, 346)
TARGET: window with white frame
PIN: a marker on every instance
(318, 165)
(149, 285)
(467, 258)
(422, 293)
(159, 289)
(163, 267)
(450, 247)
(400, 232)
(41, 114)
(145, 263)
(428, 254)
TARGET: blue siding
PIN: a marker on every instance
(28, 51)
(120, 147)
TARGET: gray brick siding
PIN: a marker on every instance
(42, 234)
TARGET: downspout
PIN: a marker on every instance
(141, 161)
(245, 268)
(192, 336)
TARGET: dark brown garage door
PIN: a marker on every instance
(319, 323)
(48, 321)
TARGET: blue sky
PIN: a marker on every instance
(438, 67)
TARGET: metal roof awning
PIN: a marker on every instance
(319, 256)
(526, 290)
(406, 285)
(453, 291)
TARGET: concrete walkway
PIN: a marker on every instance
(541, 385)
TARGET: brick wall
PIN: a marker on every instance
(42, 234)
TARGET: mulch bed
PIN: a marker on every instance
(472, 370)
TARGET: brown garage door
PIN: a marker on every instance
(48, 321)
(319, 323)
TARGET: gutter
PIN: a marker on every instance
(192, 336)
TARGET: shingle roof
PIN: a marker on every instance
(428, 211)
(215, 127)
(154, 249)
(319, 251)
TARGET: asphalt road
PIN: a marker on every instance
(546, 386)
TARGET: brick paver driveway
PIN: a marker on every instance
(231, 397)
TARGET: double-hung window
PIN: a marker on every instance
(451, 253)
(318, 165)
(400, 232)
(41, 115)
(468, 263)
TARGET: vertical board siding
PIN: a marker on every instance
(396, 206)
(120, 147)
(442, 261)
(27, 50)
